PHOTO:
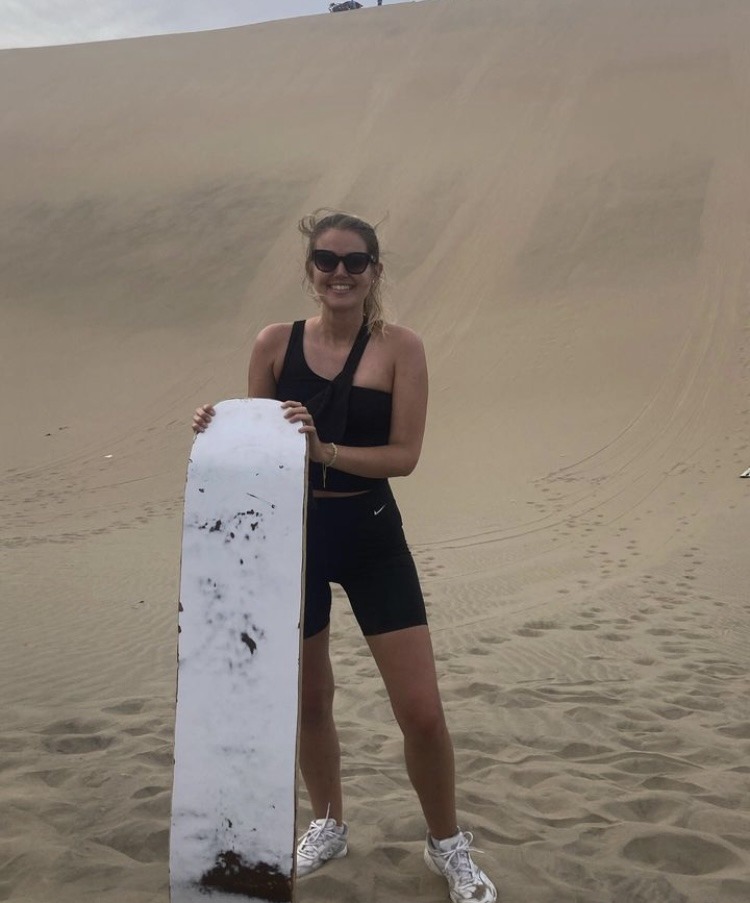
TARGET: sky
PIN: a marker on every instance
(35, 23)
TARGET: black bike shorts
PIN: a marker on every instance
(358, 542)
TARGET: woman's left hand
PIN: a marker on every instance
(296, 412)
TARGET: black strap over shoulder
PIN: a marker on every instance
(330, 406)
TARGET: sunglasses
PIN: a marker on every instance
(354, 263)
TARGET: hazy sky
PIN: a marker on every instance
(31, 23)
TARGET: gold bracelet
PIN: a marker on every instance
(330, 463)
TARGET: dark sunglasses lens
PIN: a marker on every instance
(325, 261)
(356, 262)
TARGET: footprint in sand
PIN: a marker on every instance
(78, 744)
(736, 731)
(76, 736)
(147, 792)
(659, 782)
(536, 628)
(653, 888)
(649, 809)
(680, 853)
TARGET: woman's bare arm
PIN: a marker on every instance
(269, 345)
(409, 412)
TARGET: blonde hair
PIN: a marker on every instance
(322, 220)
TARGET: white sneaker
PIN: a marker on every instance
(323, 840)
(451, 858)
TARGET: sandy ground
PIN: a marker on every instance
(565, 192)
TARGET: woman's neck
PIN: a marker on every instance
(339, 328)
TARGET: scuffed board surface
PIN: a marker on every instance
(234, 797)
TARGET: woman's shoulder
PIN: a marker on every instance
(402, 339)
(273, 335)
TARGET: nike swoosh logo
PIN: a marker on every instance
(379, 511)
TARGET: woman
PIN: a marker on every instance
(358, 389)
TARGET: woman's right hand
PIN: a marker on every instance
(202, 417)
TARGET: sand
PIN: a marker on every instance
(565, 192)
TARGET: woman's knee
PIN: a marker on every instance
(316, 702)
(422, 719)
(317, 688)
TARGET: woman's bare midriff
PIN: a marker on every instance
(325, 494)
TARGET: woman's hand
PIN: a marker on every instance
(202, 417)
(296, 412)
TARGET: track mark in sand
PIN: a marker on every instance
(13, 744)
(651, 888)
(662, 783)
(647, 763)
(734, 890)
(650, 809)
(72, 745)
(76, 735)
(697, 702)
(147, 792)
(162, 758)
(672, 712)
(138, 840)
(583, 752)
(680, 853)
(638, 728)
(528, 778)
(536, 628)
(736, 731)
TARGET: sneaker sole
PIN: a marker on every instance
(339, 855)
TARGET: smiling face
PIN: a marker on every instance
(341, 290)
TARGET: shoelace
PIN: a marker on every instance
(314, 833)
(460, 863)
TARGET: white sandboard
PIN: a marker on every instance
(241, 586)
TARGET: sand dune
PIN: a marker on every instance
(565, 192)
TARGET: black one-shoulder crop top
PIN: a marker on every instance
(366, 420)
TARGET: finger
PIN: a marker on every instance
(295, 414)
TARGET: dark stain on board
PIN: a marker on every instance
(249, 642)
(232, 875)
(265, 501)
(237, 520)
